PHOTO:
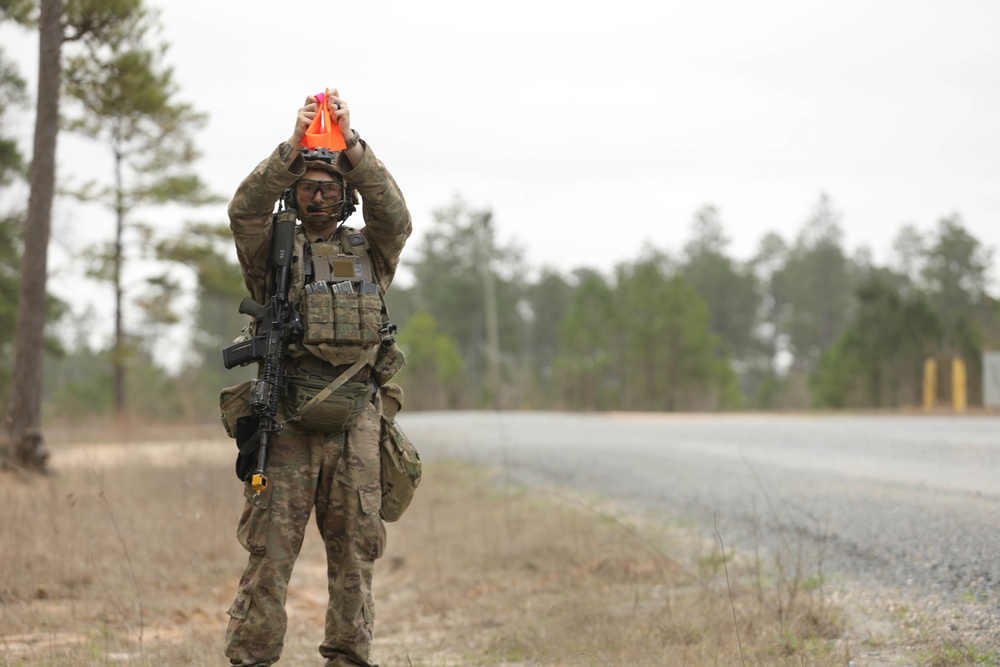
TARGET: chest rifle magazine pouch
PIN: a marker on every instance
(370, 316)
(319, 317)
(342, 317)
(347, 319)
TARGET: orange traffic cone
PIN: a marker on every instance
(324, 132)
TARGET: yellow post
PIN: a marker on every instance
(958, 384)
(930, 382)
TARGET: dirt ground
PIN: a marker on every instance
(127, 555)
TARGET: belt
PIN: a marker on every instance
(315, 366)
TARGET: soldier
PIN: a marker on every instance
(329, 457)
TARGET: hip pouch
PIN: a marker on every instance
(235, 405)
(242, 424)
(336, 413)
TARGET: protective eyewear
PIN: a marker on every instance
(329, 189)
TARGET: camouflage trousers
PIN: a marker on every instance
(339, 475)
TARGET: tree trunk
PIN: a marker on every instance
(25, 447)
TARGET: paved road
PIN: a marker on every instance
(903, 500)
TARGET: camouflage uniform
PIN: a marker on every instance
(336, 473)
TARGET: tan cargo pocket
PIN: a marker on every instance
(255, 522)
(358, 467)
(369, 541)
(371, 498)
(241, 605)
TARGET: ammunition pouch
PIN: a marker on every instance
(342, 318)
(390, 361)
(336, 413)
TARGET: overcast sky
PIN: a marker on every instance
(595, 129)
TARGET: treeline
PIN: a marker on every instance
(801, 324)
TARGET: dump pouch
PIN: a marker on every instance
(401, 470)
(390, 361)
(400, 462)
(337, 413)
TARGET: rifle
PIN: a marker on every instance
(277, 324)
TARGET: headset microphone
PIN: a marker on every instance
(312, 208)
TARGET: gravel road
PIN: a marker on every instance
(906, 503)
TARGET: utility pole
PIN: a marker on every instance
(485, 252)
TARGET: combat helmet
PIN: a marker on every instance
(326, 160)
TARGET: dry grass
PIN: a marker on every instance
(128, 556)
(515, 577)
(121, 554)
